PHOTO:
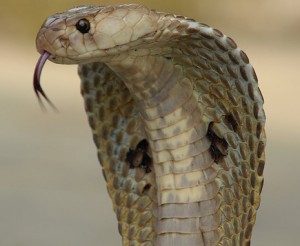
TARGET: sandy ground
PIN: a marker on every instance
(51, 188)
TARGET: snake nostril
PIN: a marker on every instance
(54, 29)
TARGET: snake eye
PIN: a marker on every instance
(83, 26)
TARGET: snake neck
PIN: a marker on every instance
(174, 126)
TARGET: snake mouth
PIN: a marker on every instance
(37, 80)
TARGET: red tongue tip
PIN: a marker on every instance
(36, 80)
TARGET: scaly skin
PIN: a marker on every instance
(191, 93)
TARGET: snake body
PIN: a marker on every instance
(177, 97)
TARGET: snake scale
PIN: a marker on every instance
(177, 117)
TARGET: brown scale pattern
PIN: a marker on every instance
(192, 94)
(240, 172)
(226, 91)
(115, 128)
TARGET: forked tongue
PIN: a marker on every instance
(36, 81)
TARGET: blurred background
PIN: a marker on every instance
(51, 188)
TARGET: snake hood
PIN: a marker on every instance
(177, 118)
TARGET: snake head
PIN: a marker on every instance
(89, 33)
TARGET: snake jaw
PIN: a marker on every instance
(36, 80)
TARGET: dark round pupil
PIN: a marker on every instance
(83, 26)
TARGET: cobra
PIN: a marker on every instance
(177, 118)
